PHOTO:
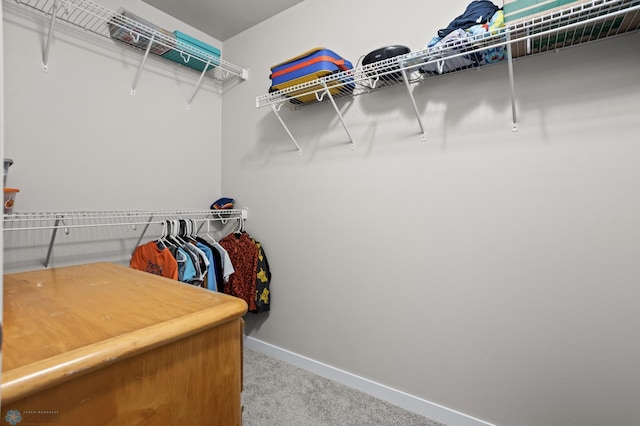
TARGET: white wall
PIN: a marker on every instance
(81, 141)
(489, 271)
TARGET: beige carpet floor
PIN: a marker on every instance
(279, 394)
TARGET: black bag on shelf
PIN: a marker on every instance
(382, 54)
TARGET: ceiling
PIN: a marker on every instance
(222, 18)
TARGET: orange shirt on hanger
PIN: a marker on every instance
(150, 258)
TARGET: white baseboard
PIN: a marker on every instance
(401, 399)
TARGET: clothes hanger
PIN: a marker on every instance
(173, 233)
(185, 230)
(206, 234)
(160, 240)
(176, 224)
(166, 237)
(195, 231)
(240, 229)
(188, 227)
(185, 233)
(194, 228)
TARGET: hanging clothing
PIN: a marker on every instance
(263, 278)
(243, 254)
(201, 262)
(186, 266)
(217, 259)
(224, 266)
(155, 260)
(216, 267)
(225, 261)
(230, 266)
(211, 270)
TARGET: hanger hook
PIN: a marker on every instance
(66, 228)
(223, 220)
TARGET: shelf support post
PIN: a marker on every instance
(275, 111)
(511, 82)
(413, 102)
(144, 59)
(53, 238)
(144, 231)
(197, 86)
(333, 102)
(45, 58)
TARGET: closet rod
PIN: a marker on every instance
(117, 218)
(97, 225)
(125, 217)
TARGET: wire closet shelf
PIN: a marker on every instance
(29, 221)
(584, 23)
(54, 221)
(93, 17)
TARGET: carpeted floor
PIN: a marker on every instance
(279, 394)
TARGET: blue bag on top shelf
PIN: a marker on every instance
(446, 51)
(477, 12)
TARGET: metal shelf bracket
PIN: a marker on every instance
(413, 102)
(197, 86)
(333, 102)
(276, 111)
(53, 239)
(144, 231)
(54, 11)
(142, 62)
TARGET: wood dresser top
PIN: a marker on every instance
(62, 321)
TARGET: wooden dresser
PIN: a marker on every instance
(103, 344)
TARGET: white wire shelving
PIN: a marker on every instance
(65, 221)
(97, 19)
(587, 22)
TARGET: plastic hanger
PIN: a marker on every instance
(206, 234)
(172, 235)
(161, 241)
(240, 229)
(185, 231)
(194, 229)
